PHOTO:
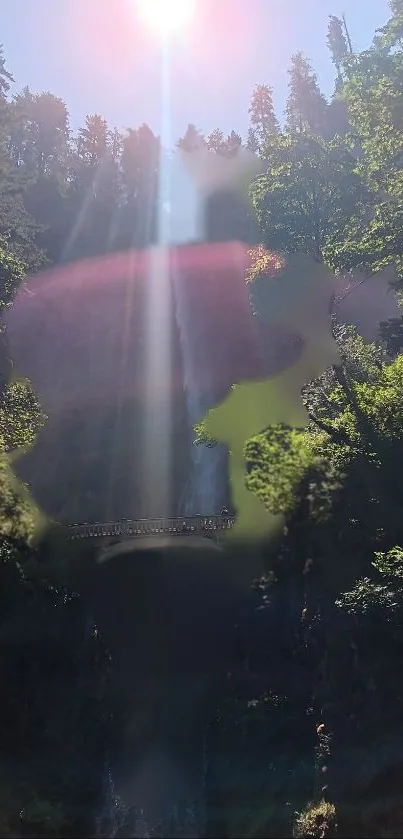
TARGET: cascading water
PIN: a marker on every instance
(205, 490)
(113, 813)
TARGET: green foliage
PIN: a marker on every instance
(202, 437)
(363, 362)
(263, 120)
(277, 460)
(18, 514)
(39, 133)
(21, 417)
(390, 564)
(372, 85)
(307, 197)
(383, 600)
(220, 144)
(392, 33)
(317, 820)
(306, 106)
(382, 402)
(391, 335)
(337, 41)
(369, 598)
(12, 274)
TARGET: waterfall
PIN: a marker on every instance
(113, 814)
(205, 490)
(118, 819)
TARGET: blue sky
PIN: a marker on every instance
(96, 56)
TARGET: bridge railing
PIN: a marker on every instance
(130, 529)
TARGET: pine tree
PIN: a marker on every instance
(220, 144)
(6, 79)
(93, 140)
(234, 141)
(337, 42)
(306, 106)
(216, 141)
(263, 119)
(39, 133)
(193, 139)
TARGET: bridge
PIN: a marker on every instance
(126, 529)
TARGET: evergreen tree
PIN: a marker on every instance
(306, 106)
(92, 143)
(192, 139)
(337, 43)
(220, 144)
(263, 120)
(39, 134)
(140, 166)
(216, 141)
(234, 141)
(6, 78)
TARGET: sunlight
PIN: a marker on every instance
(166, 16)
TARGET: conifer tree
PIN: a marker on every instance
(306, 106)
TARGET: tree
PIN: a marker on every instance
(263, 121)
(12, 273)
(337, 43)
(116, 144)
(91, 146)
(93, 190)
(6, 78)
(220, 144)
(36, 800)
(38, 145)
(306, 106)
(40, 133)
(140, 166)
(374, 94)
(192, 139)
(307, 197)
(337, 121)
(234, 141)
(216, 141)
(18, 231)
(339, 488)
(392, 33)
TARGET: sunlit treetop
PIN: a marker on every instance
(263, 263)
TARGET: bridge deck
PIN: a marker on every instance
(120, 530)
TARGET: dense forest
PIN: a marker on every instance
(304, 734)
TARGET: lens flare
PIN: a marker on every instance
(166, 16)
